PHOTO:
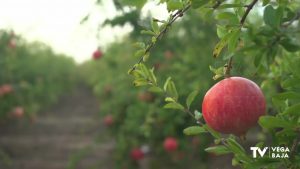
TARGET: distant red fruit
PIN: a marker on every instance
(136, 154)
(108, 120)
(97, 54)
(5, 89)
(170, 144)
(168, 54)
(233, 105)
(18, 112)
(145, 96)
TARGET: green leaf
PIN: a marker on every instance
(148, 32)
(169, 99)
(229, 16)
(225, 6)
(221, 44)
(145, 70)
(191, 98)
(270, 122)
(221, 31)
(219, 150)
(166, 83)
(198, 3)
(266, 2)
(139, 45)
(140, 82)
(235, 146)
(174, 105)
(194, 130)
(287, 95)
(290, 45)
(152, 77)
(219, 72)
(170, 88)
(233, 40)
(155, 27)
(136, 3)
(155, 89)
(293, 110)
(272, 17)
(198, 115)
(212, 132)
(139, 53)
(173, 5)
(257, 59)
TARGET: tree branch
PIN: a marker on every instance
(173, 18)
(228, 67)
(249, 7)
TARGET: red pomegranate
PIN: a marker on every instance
(18, 112)
(233, 105)
(97, 54)
(108, 120)
(170, 144)
(6, 89)
(136, 154)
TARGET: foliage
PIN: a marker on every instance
(257, 39)
(35, 73)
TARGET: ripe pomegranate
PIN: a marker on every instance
(17, 112)
(97, 54)
(170, 144)
(108, 120)
(136, 154)
(233, 105)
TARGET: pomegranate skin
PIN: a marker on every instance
(97, 54)
(136, 154)
(170, 144)
(233, 106)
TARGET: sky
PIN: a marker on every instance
(57, 23)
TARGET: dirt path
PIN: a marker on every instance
(64, 137)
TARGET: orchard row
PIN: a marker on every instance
(32, 76)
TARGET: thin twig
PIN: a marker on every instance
(174, 17)
(228, 66)
(249, 7)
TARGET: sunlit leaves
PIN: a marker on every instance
(191, 98)
(173, 5)
(272, 17)
(230, 38)
(194, 130)
(199, 3)
(136, 3)
(218, 150)
(270, 122)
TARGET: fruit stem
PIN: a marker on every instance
(228, 67)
